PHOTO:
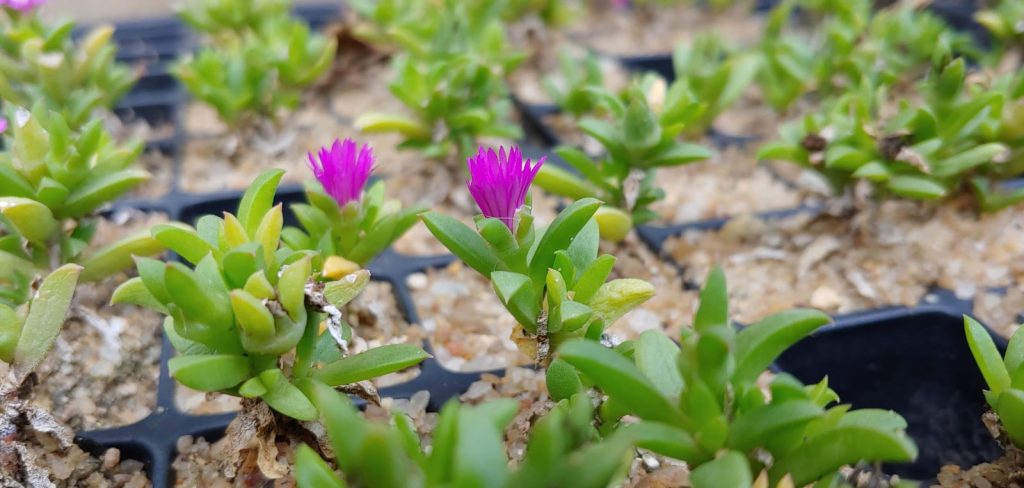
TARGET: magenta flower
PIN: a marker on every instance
(341, 171)
(3, 125)
(22, 5)
(499, 182)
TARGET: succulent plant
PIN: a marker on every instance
(552, 281)
(231, 18)
(450, 74)
(1004, 19)
(28, 331)
(54, 181)
(573, 93)
(467, 450)
(700, 401)
(1003, 374)
(259, 60)
(40, 62)
(715, 72)
(341, 220)
(853, 48)
(952, 139)
(27, 334)
(246, 317)
(642, 136)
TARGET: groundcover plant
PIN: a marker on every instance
(615, 384)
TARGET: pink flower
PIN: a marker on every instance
(341, 171)
(3, 125)
(499, 182)
(22, 5)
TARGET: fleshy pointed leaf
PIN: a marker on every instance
(134, 291)
(828, 451)
(987, 356)
(463, 242)
(46, 314)
(119, 256)
(620, 379)
(758, 345)
(656, 357)
(371, 364)
(258, 199)
(730, 470)
(31, 219)
(313, 472)
(212, 372)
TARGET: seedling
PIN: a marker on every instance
(700, 401)
(40, 62)
(246, 316)
(341, 219)
(572, 93)
(928, 150)
(27, 333)
(716, 73)
(467, 450)
(551, 280)
(451, 77)
(258, 62)
(642, 136)
(1004, 377)
(54, 180)
(1005, 21)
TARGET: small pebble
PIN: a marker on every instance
(417, 281)
(111, 458)
(477, 390)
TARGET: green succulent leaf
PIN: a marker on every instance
(371, 364)
(656, 357)
(1009, 406)
(96, 191)
(135, 292)
(313, 472)
(617, 297)
(593, 278)
(560, 235)
(987, 356)
(184, 241)
(463, 242)
(620, 379)
(758, 345)
(562, 380)
(714, 302)
(46, 314)
(212, 372)
(846, 444)
(917, 187)
(730, 470)
(516, 293)
(665, 439)
(258, 199)
(285, 397)
(340, 292)
(759, 427)
(118, 256)
(556, 180)
(30, 219)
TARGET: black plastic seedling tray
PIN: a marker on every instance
(912, 360)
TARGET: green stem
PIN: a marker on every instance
(307, 345)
